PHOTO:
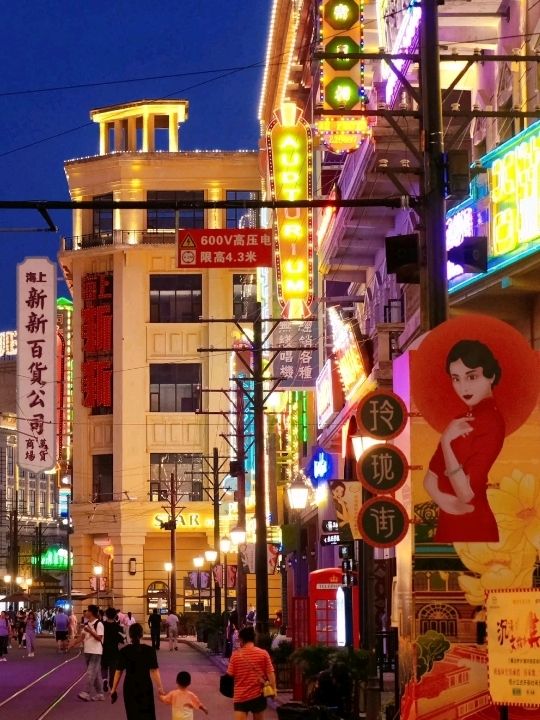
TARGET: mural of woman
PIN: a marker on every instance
(457, 478)
(343, 517)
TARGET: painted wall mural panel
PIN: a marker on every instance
(475, 500)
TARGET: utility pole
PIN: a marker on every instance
(217, 532)
(261, 550)
(433, 275)
(241, 580)
(172, 510)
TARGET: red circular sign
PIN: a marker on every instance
(381, 414)
(383, 521)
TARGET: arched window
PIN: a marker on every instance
(441, 618)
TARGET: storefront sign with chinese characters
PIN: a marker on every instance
(382, 469)
(36, 364)
(97, 344)
(328, 394)
(298, 369)
(383, 521)
(290, 157)
(381, 414)
(8, 344)
(351, 353)
(227, 248)
(513, 639)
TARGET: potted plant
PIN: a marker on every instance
(281, 655)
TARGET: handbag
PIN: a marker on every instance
(268, 690)
(226, 685)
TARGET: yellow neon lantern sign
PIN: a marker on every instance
(290, 158)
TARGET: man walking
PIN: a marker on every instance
(61, 624)
(172, 627)
(154, 621)
(91, 637)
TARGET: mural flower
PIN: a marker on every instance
(516, 505)
(497, 567)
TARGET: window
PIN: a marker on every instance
(21, 501)
(175, 298)
(42, 503)
(175, 387)
(102, 220)
(244, 295)
(10, 464)
(32, 501)
(185, 469)
(102, 478)
(163, 219)
(242, 217)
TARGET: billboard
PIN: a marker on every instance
(36, 365)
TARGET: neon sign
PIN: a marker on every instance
(406, 41)
(351, 361)
(514, 181)
(290, 158)
(460, 225)
(342, 85)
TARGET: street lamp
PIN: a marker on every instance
(168, 569)
(98, 571)
(198, 562)
(225, 546)
(7, 582)
(238, 535)
(297, 493)
(29, 582)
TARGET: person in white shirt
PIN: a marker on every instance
(91, 638)
(172, 631)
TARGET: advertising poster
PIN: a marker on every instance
(475, 504)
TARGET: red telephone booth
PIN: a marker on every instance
(333, 609)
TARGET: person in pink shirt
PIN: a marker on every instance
(183, 701)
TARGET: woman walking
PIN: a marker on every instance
(30, 631)
(139, 662)
(251, 668)
(5, 630)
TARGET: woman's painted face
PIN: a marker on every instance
(470, 384)
(338, 491)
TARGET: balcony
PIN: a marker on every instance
(118, 238)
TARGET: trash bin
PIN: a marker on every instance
(297, 711)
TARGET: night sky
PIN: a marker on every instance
(215, 50)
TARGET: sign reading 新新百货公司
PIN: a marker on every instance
(227, 248)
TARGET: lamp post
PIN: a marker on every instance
(210, 556)
(198, 562)
(98, 571)
(168, 569)
(297, 492)
(238, 537)
(225, 546)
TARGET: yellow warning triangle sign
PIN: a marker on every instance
(188, 242)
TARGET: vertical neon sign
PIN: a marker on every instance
(290, 158)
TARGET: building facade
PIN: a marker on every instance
(151, 399)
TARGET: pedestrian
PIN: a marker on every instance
(5, 632)
(61, 623)
(140, 664)
(112, 637)
(91, 637)
(183, 701)
(72, 625)
(30, 632)
(127, 622)
(154, 621)
(251, 617)
(251, 668)
(20, 625)
(172, 630)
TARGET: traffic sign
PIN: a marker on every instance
(381, 414)
(383, 522)
(382, 469)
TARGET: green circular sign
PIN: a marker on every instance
(383, 522)
(344, 46)
(342, 93)
(341, 14)
(382, 469)
(381, 414)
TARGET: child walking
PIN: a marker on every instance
(183, 701)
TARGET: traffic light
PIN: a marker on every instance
(402, 257)
(471, 254)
